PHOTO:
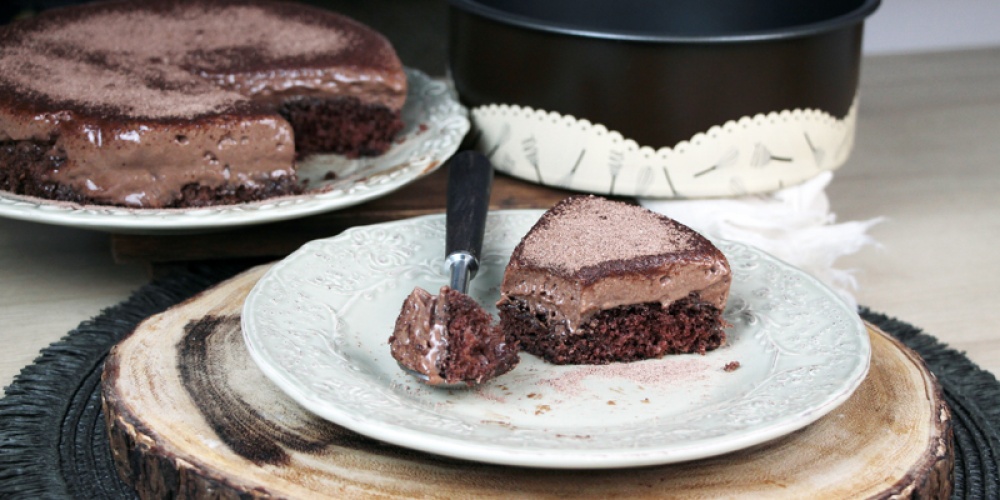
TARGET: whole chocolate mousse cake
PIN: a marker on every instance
(596, 281)
(178, 103)
(450, 339)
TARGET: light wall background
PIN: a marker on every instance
(902, 26)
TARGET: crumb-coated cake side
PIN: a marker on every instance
(450, 339)
(596, 281)
(175, 103)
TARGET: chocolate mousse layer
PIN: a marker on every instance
(596, 281)
(142, 104)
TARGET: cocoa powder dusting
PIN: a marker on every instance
(591, 230)
(153, 63)
(652, 374)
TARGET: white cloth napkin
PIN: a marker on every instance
(794, 224)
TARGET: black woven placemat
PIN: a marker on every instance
(53, 444)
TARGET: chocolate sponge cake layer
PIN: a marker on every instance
(27, 166)
(624, 333)
(147, 101)
(478, 350)
(597, 280)
(343, 125)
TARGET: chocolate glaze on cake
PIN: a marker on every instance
(178, 103)
(450, 339)
(596, 281)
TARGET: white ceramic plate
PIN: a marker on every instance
(318, 322)
(435, 124)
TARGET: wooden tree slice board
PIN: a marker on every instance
(190, 415)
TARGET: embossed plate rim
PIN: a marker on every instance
(416, 153)
(771, 302)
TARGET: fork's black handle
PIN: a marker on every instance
(470, 180)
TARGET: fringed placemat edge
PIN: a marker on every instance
(36, 401)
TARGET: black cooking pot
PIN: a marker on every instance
(657, 71)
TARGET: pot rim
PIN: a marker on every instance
(847, 19)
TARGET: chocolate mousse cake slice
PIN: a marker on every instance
(597, 281)
(177, 103)
(450, 339)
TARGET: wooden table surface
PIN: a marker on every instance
(927, 157)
